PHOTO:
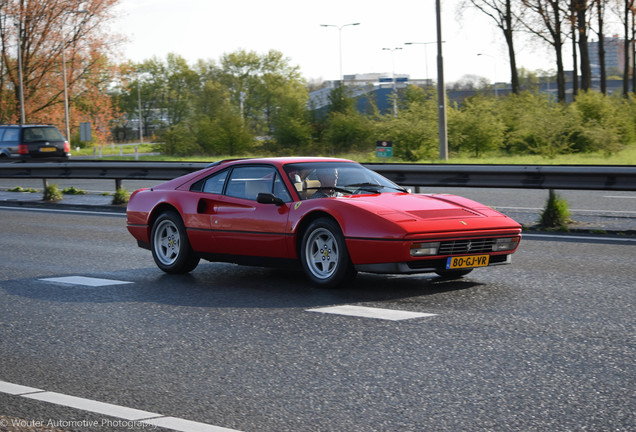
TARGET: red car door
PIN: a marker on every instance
(242, 226)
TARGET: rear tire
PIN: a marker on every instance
(324, 255)
(171, 249)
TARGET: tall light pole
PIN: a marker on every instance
(340, 27)
(141, 125)
(20, 79)
(425, 53)
(494, 64)
(66, 113)
(64, 80)
(441, 88)
(395, 113)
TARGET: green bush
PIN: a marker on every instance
(605, 123)
(538, 126)
(52, 193)
(73, 191)
(556, 213)
(121, 196)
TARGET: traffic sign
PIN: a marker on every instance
(384, 149)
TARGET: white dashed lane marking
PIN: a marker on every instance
(107, 409)
(85, 281)
(371, 312)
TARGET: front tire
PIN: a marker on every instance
(324, 255)
(453, 274)
(171, 249)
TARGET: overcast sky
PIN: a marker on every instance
(207, 29)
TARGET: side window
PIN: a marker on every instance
(11, 135)
(248, 181)
(280, 190)
(214, 184)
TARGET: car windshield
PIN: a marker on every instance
(330, 179)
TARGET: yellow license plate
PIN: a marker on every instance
(467, 261)
(48, 149)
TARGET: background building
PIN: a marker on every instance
(614, 55)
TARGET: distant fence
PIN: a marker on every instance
(582, 177)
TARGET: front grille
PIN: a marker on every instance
(454, 247)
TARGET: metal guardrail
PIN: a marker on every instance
(580, 177)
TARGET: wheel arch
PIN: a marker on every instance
(158, 210)
(306, 221)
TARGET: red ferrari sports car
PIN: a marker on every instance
(333, 217)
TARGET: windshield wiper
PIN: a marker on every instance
(368, 186)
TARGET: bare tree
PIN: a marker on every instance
(624, 9)
(501, 11)
(575, 58)
(600, 19)
(580, 8)
(546, 20)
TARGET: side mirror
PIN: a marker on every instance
(269, 198)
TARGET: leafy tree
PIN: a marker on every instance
(182, 82)
(230, 135)
(180, 140)
(414, 131)
(51, 32)
(347, 132)
(477, 126)
(291, 126)
(505, 14)
(339, 101)
(546, 19)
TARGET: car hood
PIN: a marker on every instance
(419, 213)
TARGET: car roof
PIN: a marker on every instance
(25, 125)
(279, 161)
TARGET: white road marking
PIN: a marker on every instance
(370, 312)
(86, 281)
(91, 406)
(16, 389)
(110, 410)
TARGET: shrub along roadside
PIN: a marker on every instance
(556, 213)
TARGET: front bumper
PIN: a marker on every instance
(422, 266)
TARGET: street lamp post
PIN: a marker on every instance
(425, 53)
(494, 63)
(395, 113)
(66, 112)
(20, 79)
(441, 88)
(67, 115)
(340, 27)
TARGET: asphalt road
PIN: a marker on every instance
(545, 344)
